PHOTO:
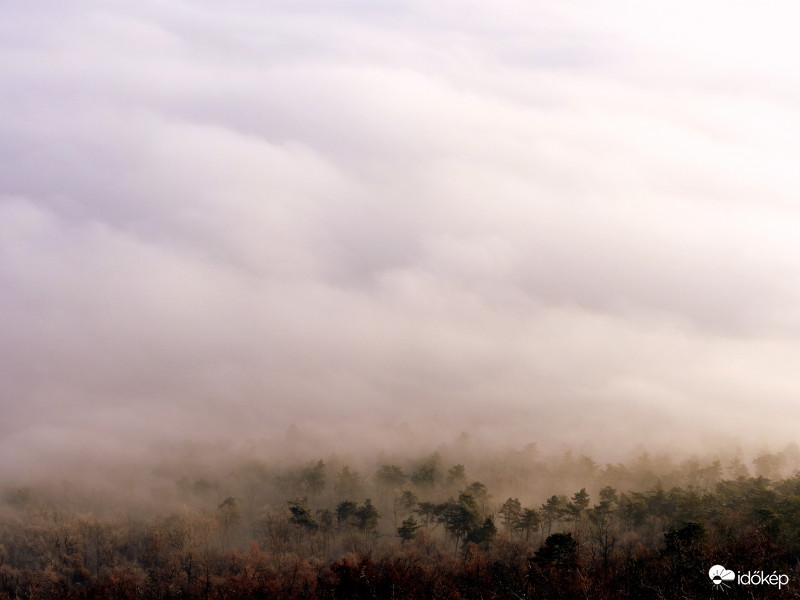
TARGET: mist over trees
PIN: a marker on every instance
(514, 524)
(259, 261)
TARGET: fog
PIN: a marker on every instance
(378, 227)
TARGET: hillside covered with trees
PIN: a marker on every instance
(517, 525)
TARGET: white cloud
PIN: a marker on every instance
(332, 214)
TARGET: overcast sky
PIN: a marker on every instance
(535, 220)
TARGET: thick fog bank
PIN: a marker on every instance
(532, 222)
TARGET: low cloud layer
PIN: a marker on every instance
(532, 221)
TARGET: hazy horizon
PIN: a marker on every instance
(574, 225)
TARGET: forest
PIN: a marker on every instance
(515, 524)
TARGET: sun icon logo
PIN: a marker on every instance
(719, 575)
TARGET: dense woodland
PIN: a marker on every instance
(517, 525)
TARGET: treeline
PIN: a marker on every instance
(412, 529)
